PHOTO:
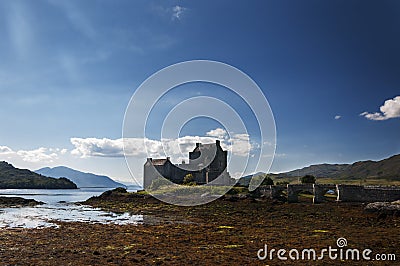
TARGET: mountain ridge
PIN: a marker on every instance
(388, 168)
(15, 178)
(381, 169)
(81, 179)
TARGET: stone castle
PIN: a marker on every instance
(207, 162)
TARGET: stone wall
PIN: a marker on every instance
(354, 193)
(345, 193)
(320, 191)
(272, 192)
(294, 190)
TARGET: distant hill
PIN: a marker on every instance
(245, 180)
(11, 177)
(385, 169)
(319, 170)
(81, 179)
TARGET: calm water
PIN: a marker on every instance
(52, 196)
(59, 207)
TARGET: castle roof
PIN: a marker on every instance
(204, 147)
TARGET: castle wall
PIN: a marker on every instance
(215, 169)
(218, 165)
(176, 174)
(150, 173)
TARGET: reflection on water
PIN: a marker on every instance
(46, 215)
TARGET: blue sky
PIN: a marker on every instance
(69, 68)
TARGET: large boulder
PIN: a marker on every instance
(384, 208)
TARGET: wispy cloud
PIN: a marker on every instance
(238, 144)
(76, 17)
(174, 13)
(390, 109)
(337, 117)
(20, 30)
(70, 66)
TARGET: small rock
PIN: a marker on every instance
(139, 251)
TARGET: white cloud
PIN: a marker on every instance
(97, 147)
(42, 154)
(177, 12)
(337, 117)
(236, 175)
(4, 150)
(238, 144)
(390, 109)
(218, 133)
(38, 155)
(136, 147)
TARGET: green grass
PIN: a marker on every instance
(186, 190)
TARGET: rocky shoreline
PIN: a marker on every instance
(228, 231)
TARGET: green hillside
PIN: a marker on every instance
(11, 177)
(385, 171)
(320, 170)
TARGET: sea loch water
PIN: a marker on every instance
(59, 206)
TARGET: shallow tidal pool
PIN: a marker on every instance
(47, 215)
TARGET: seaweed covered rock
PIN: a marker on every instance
(115, 191)
(6, 202)
(118, 194)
